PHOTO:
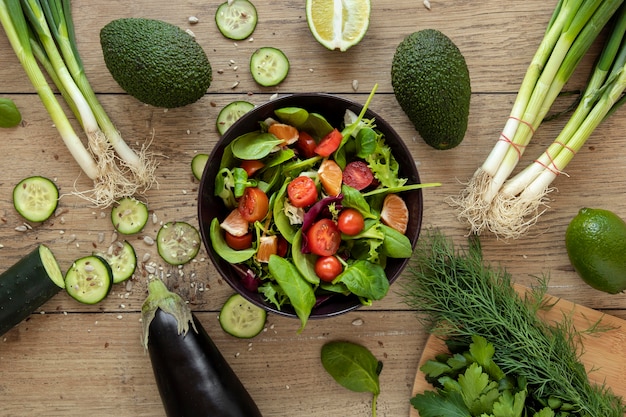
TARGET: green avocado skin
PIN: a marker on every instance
(156, 62)
(431, 82)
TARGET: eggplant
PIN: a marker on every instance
(193, 377)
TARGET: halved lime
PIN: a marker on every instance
(338, 24)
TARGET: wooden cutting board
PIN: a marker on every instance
(604, 352)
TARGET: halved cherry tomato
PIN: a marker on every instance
(238, 242)
(329, 143)
(306, 144)
(350, 222)
(253, 205)
(324, 237)
(251, 166)
(357, 175)
(302, 191)
(328, 268)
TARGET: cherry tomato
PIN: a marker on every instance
(306, 144)
(251, 166)
(238, 242)
(283, 247)
(328, 268)
(324, 237)
(350, 222)
(253, 205)
(329, 143)
(302, 191)
(357, 175)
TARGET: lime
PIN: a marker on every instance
(596, 245)
(338, 24)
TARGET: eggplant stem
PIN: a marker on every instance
(159, 297)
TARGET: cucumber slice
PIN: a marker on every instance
(269, 66)
(35, 198)
(197, 165)
(89, 279)
(122, 259)
(240, 318)
(178, 242)
(230, 113)
(236, 19)
(129, 216)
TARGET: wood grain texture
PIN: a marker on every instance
(75, 352)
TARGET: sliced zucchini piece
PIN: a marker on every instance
(89, 279)
(269, 66)
(230, 113)
(129, 216)
(27, 285)
(236, 19)
(35, 198)
(240, 318)
(122, 259)
(198, 162)
(178, 242)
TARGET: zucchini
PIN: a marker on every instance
(27, 285)
(89, 279)
(193, 377)
(35, 198)
(129, 216)
(240, 318)
(178, 242)
(122, 258)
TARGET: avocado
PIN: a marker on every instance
(156, 62)
(431, 83)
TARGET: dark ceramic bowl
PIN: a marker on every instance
(333, 109)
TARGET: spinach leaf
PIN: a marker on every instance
(297, 289)
(281, 220)
(294, 116)
(395, 244)
(366, 141)
(10, 115)
(353, 366)
(354, 199)
(365, 279)
(254, 145)
(223, 250)
(304, 262)
(317, 126)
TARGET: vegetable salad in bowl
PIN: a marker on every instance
(310, 205)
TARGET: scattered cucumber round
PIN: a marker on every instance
(178, 242)
(35, 198)
(240, 318)
(269, 66)
(122, 258)
(129, 216)
(236, 19)
(89, 279)
(230, 113)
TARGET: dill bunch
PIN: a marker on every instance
(457, 296)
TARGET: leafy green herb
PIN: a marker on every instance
(10, 115)
(459, 296)
(354, 367)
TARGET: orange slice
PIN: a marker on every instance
(395, 213)
(330, 176)
(287, 133)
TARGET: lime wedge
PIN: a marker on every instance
(338, 24)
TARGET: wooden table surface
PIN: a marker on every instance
(70, 359)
